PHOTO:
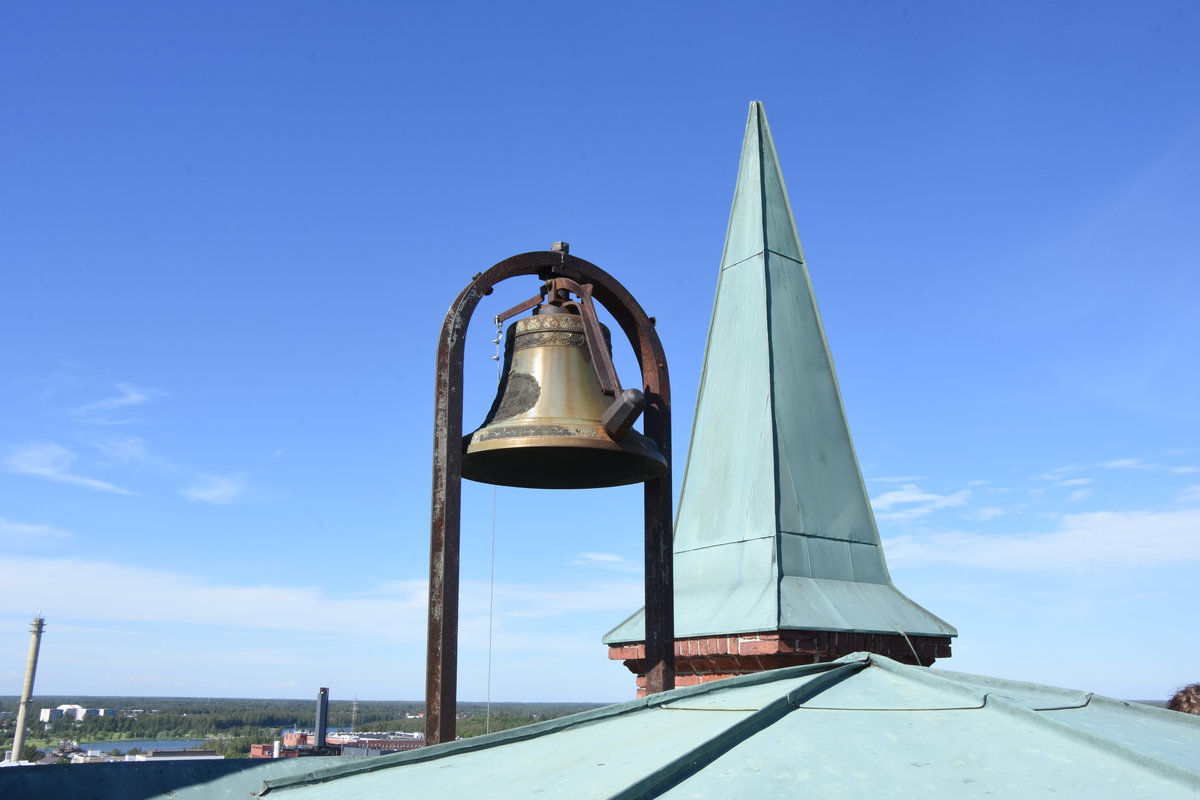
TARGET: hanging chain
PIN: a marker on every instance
(496, 341)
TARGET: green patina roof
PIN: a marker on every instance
(774, 528)
(862, 726)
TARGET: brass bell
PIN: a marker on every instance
(547, 427)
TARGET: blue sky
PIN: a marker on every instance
(228, 233)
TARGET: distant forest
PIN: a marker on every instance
(233, 725)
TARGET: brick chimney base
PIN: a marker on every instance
(710, 658)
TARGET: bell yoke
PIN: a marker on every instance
(560, 419)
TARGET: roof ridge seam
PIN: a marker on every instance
(726, 544)
(923, 675)
(740, 261)
(764, 141)
(692, 761)
(1164, 768)
(773, 252)
(460, 746)
(830, 538)
(905, 710)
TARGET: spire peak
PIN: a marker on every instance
(761, 218)
(774, 530)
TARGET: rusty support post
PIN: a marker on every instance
(441, 668)
(659, 616)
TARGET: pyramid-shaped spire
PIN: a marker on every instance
(774, 530)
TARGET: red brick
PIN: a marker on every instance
(759, 647)
(725, 663)
(622, 652)
(701, 659)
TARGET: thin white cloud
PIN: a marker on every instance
(1057, 473)
(1125, 463)
(919, 503)
(900, 479)
(1081, 541)
(551, 600)
(100, 412)
(1141, 463)
(1078, 495)
(107, 592)
(121, 448)
(29, 531)
(1190, 494)
(606, 561)
(216, 489)
(101, 590)
(53, 462)
(991, 512)
(1076, 482)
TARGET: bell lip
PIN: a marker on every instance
(641, 451)
(633, 443)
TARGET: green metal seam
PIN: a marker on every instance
(684, 766)
(543, 728)
(704, 547)
(460, 746)
(760, 119)
(1153, 712)
(979, 707)
(744, 260)
(1168, 769)
(924, 676)
(785, 255)
(827, 538)
(604, 639)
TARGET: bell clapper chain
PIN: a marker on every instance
(496, 341)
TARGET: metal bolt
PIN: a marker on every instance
(560, 247)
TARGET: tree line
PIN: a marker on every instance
(232, 725)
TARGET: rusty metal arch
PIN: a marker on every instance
(441, 667)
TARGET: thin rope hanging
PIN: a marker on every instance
(487, 717)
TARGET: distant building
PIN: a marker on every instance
(273, 751)
(299, 739)
(76, 711)
(304, 743)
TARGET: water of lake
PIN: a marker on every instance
(145, 744)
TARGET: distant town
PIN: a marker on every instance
(80, 730)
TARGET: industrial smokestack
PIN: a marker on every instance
(35, 644)
(322, 715)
